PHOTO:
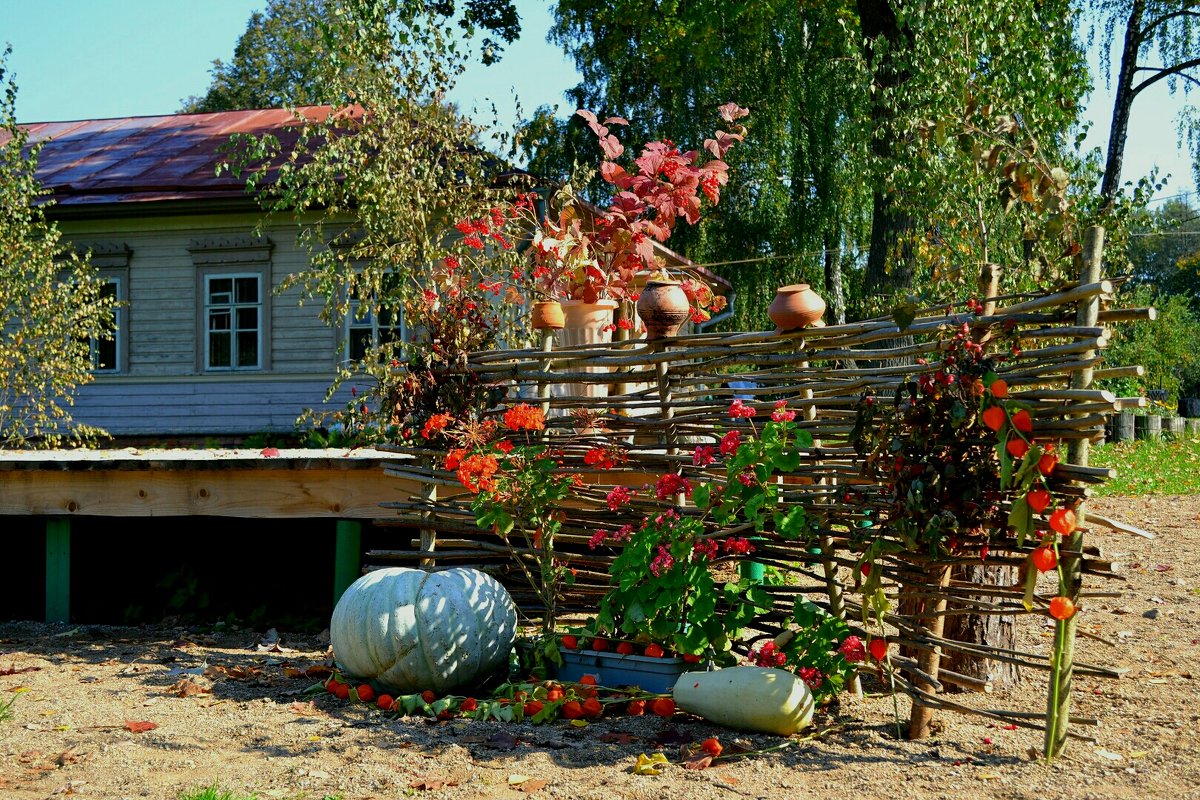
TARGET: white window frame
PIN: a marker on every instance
(120, 351)
(260, 307)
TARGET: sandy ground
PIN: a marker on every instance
(254, 732)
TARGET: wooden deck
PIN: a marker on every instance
(345, 486)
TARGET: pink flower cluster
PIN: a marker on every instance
(730, 443)
(811, 676)
(706, 547)
(662, 562)
(672, 484)
(619, 496)
(703, 456)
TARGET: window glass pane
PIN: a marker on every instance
(220, 290)
(247, 319)
(360, 342)
(218, 350)
(104, 354)
(219, 319)
(247, 355)
(247, 290)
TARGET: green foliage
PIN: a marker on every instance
(1164, 253)
(838, 112)
(51, 305)
(281, 58)
(1150, 467)
(214, 792)
(6, 708)
(377, 187)
(1168, 347)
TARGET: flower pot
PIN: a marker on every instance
(547, 315)
(614, 669)
(585, 323)
(795, 306)
(663, 307)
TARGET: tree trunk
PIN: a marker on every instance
(835, 292)
(890, 225)
(1122, 103)
(990, 629)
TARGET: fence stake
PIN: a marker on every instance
(1058, 706)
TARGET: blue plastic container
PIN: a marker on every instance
(613, 669)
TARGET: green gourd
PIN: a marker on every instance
(408, 630)
(747, 698)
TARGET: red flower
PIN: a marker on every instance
(636, 708)
(572, 709)
(712, 747)
(994, 418)
(663, 707)
(999, 389)
(878, 648)
(1022, 422)
(504, 446)
(1062, 608)
(469, 704)
(654, 651)
(454, 458)
(597, 539)
(1038, 499)
(852, 649)
(476, 471)
(524, 417)
(436, 423)
(739, 410)
(1047, 463)
(730, 443)
(1017, 448)
(604, 457)
(1043, 559)
(782, 413)
(1063, 521)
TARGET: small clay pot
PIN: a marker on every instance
(547, 315)
(795, 306)
(663, 308)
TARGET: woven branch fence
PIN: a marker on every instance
(658, 400)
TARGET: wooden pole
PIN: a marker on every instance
(347, 558)
(1058, 706)
(928, 661)
(58, 569)
(429, 496)
(543, 387)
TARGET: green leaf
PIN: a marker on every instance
(905, 313)
(1031, 576)
(700, 495)
(1021, 519)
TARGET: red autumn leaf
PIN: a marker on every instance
(532, 785)
(430, 785)
(702, 760)
(270, 452)
(18, 670)
(139, 727)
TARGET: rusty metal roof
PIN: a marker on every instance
(146, 159)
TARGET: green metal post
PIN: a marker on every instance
(347, 564)
(58, 570)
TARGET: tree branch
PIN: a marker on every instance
(1150, 26)
(1164, 72)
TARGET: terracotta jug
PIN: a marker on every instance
(795, 306)
(663, 308)
(547, 315)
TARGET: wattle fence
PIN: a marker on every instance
(659, 400)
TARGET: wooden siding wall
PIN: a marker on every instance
(164, 388)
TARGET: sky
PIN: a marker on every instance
(94, 59)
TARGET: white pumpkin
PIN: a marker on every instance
(748, 698)
(409, 630)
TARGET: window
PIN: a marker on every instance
(106, 350)
(371, 331)
(233, 314)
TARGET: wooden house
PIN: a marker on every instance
(204, 346)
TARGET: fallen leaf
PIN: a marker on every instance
(428, 785)
(533, 785)
(216, 672)
(650, 765)
(618, 738)
(186, 687)
(270, 452)
(1108, 754)
(701, 760)
(139, 727)
(17, 670)
(19, 689)
(517, 780)
(308, 709)
(502, 741)
(69, 787)
(1139, 754)
(1163, 568)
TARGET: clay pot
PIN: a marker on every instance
(663, 308)
(795, 306)
(547, 315)
(586, 323)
